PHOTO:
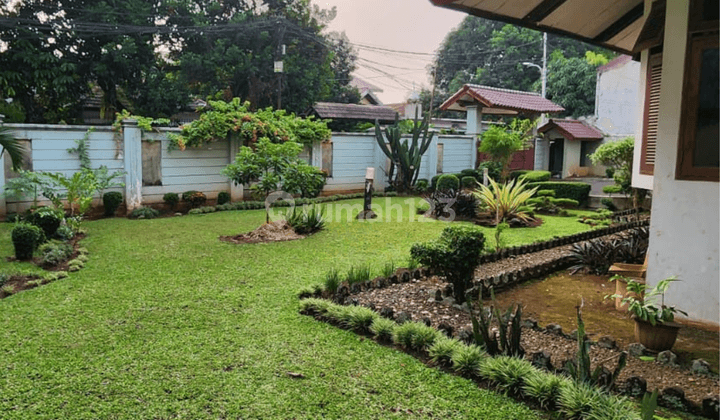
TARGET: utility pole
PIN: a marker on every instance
(544, 66)
(279, 71)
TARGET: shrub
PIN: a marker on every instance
(111, 202)
(358, 274)
(171, 199)
(545, 193)
(614, 408)
(504, 341)
(382, 328)
(544, 388)
(332, 281)
(55, 252)
(26, 238)
(315, 306)
(388, 269)
(610, 172)
(579, 191)
(536, 176)
(64, 233)
(48, 219)
(440, 203)
(612, 189)
(306, 220)
(223, 197)
(144, 213)
(494, 170)
(443, 349)
(594, 256)
(503, 200)
(467, 360)
(303, 179)
(519, 173)
(469, 182)
(608, 203)
(466, 205)
(448, 182)
(356, 318)
(195, 198)
(434, 182)
(566, 203)
(454, 255)
(508, 373)
(422, 186)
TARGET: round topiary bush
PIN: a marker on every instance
(26, 238)
(195, 198)
(448, 182)
(111, 202)
(171, 199)
(223, 197)
(46, 218)
(469, 182)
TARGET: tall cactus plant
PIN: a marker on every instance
(405, 155)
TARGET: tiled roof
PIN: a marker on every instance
(354, 112)
(572, 130)
(513, 100)
(362, 85)
(616, 62)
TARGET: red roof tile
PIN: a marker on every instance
(513, 100)
(572, 130)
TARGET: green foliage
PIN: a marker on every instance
(356, 318)
(648, 405)
(448, 182)
(469, 182)
(642, 301)
(567, 203)
(580, 370)
(544, 388)
(223, 197)
(26, 238)
(608, 203)
(504, 200)
(388, 269)
(454, 255)
(405, 155)
(111, 202)
(144, 213)
(507, 373)
(303, 179)
(501, 143)
(617, 155)
(579, 400)
(468, 359)
(505, 341)
(443, 349)
(422, 186)
(194, 198)
(578, 191)
(612, 189)
(358, 274)
(222, 120)
(171, 199)
(13, 112)
(79, 190)
(332, 280)
(494, 170)
(55, 252)
(536, 176)
(415, 336)
(306, 220)
(571, 84)
(383, 328)
(545, 193)
(46, 218)
(614, 408)
(64, 233)
(412, 263)
(499, 229)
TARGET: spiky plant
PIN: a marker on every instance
(9, 144)
(578, 400)
(382, 329)
(467, 360)
(504, 200)
(508, 373)
(332, 280)
(415, 336)
(544, 388)
(443, 349)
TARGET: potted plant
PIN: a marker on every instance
(654, 326)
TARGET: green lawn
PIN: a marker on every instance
(165, 321)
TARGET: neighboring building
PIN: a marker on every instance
(677, 155)
(616, 97)
(478, 100)
(569, 142)
(367, 91)
(346, 117)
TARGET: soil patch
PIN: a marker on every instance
(417, 298)
(63, 266)
(18, 283)
(279, 231)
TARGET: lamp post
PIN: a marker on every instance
(543, 69)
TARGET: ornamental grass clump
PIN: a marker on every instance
(358, 274)
(466, 360)
(315, 306)
(415, 336)
(443, 349)
(332, 281)
(544, 388)
(382, 329)
(507, 373)
(579, 400)
(504, 201)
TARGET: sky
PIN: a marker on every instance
(412, 29)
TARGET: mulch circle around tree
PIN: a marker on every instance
(279, 231)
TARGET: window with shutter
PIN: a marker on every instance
(650, 120)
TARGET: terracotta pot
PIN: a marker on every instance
(658, 337)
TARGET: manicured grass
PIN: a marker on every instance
(165, 321)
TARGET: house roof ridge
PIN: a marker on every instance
(497, 89)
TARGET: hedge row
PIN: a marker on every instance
(578, 191)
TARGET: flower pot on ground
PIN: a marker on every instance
(658, 337)
(654, 326)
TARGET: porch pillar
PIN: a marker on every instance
(474, 128)
(132, 148)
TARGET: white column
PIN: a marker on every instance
(474, 120)
(237, 192)
(132, 147)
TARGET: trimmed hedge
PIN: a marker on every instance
(578, 191)
(536, 176)
(469, 182)
(448, 182)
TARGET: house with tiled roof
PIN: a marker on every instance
(570, 142)
(367, 91)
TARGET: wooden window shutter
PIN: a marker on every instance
(650, 120)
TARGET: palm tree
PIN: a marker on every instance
(12, 145)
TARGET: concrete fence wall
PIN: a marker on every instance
(152, 170)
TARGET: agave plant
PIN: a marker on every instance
(505, 200)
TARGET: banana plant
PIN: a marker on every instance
(405, 155)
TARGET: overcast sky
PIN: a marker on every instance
(409, 26)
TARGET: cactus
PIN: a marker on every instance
(405, 155)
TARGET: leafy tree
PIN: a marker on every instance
(502, 143)
(619, 155)
(571, 82)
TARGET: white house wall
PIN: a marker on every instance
(617, 98)
(684, 227)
